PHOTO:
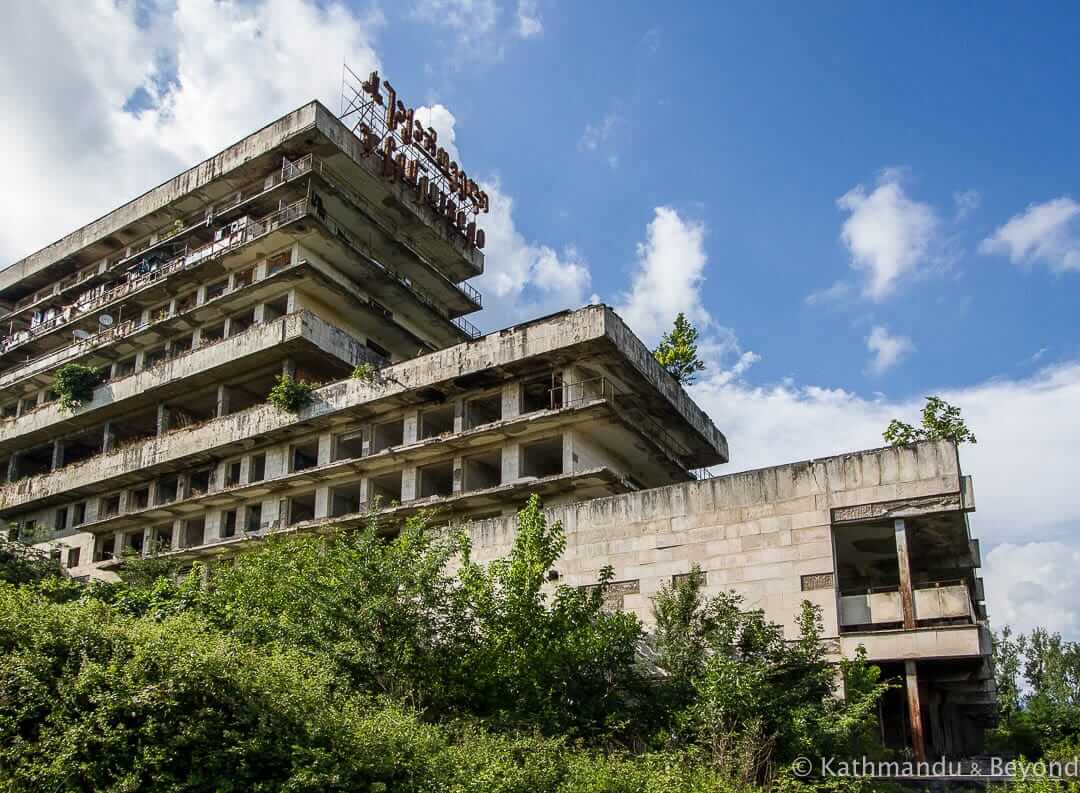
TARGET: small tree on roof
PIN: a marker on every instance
(678, 351)
(940, 421)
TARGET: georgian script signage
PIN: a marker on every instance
(411, 154)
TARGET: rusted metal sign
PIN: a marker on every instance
(411, 153)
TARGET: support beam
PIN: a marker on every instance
(911, 684)
(57, 455)
(223, 398)
(13, 467)
(163, 417)
(108, 441)
(907, 597)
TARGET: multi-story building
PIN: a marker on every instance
(311, 247)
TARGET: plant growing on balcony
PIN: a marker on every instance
(366, 371)
(290, 395)
(74, 384)
(940, 421)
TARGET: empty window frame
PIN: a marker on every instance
(228, 523)
(253, 518)
(232, 473)
(541, 393)
(542, 458)
(436, 479)
(436, 421)
(304, 455)
(168, 489)
(216, 289)
(73, 555)
(387, 435)
(60, 521)
(301, 508)
(194, 532)
(257, 468)
(482, 471)
(483, 410)
(346, 499)
(78, 514)
(386, 488)
(200, 482)
(109, 506)
(349, 445)
(138, 498)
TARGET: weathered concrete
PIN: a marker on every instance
(594, 330)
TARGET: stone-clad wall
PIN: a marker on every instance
(757, 532)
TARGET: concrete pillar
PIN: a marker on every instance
(408, 484)
(511, 462)
(140, 360)
(322, 501)
(459, 474)
(223, 398)
(907, 597)
(365, 444)
(511, 400)
(260, 310)
(288, 367)
(57, 454)
(226, 330)
(411, 430)
(326, 448)
(459, 416)
(41, 397)
(162, 418)
(147, 541)
(13, 467)
(911, 684)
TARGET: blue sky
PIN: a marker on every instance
(859, 204)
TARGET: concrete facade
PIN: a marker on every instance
(299, 251)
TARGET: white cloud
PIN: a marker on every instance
(888, 235)
(207, 74)
(521, 279)
(839, 292)
(667, 277)
(1047, 233)
(1035, 584)
(529, 23)
(888, 350)
(1023, 465)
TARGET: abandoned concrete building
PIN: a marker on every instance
(314, 246)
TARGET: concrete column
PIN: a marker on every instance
(511, 400)
(260, 309)
(459, 416)
(13, 467)
(326, 448)
(911, 684)
(226, 330)
(408, 484)
(411, 430)
(322, 501)
(147, 541)
(459, 474)
(57, 454)
(40, 398)
(288, 367)
(140, 360)
(365, 444)
(196, 337)
(907, 597)
(223, 398)
(200, 295)
(162, 418)
(511, 462)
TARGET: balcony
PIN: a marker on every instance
(881, 609)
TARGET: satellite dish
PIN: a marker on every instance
(81, 334)
(105, 320)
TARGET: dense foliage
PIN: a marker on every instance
(364, 662)
(678, 351)
(74, 384)
(940, 421)
(1038, 682)
(290, 395)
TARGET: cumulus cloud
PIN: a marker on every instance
(479, 26)
(888, 350)
(888, 234)
(1048, 233)
(667, 276)
(135, 93)
(521, 278)
(1035, 584)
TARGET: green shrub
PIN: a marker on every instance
(367, 372)
(74, 384)
(290, 395)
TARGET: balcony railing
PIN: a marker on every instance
(939, 600)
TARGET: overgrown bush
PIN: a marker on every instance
(74, 384)
(357, 662)
(290, 395)
(366, 371)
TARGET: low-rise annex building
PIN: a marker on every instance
(314, 247)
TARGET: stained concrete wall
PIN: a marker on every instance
(756, 533)
(594, 329)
